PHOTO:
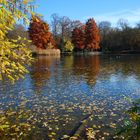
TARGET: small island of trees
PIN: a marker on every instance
(80, 38)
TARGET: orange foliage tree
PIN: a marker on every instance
(39, 33)
(92, 37)
(78, 37)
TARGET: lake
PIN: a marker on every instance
(61, 97)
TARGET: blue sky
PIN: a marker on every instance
(100, 10)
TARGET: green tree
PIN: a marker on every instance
(14, 54)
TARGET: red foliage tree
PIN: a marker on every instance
(39, 33)
(78, 37)
(92, 37)
(51, 41)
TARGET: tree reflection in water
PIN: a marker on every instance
(41, 70)
(70, 89)
(87, 66)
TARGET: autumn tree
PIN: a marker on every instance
(67, 25)
(78, 38)
(62, 28)
(51, 42)
(39, 33)
(92, 37)
(14, 54)
(68, 46)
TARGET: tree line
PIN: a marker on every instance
(66, 35)
(120, 39)
(79, 36)
(124, 38)
(73, 35)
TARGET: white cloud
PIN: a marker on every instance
(133, 16)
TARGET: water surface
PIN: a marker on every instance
(61, 92)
